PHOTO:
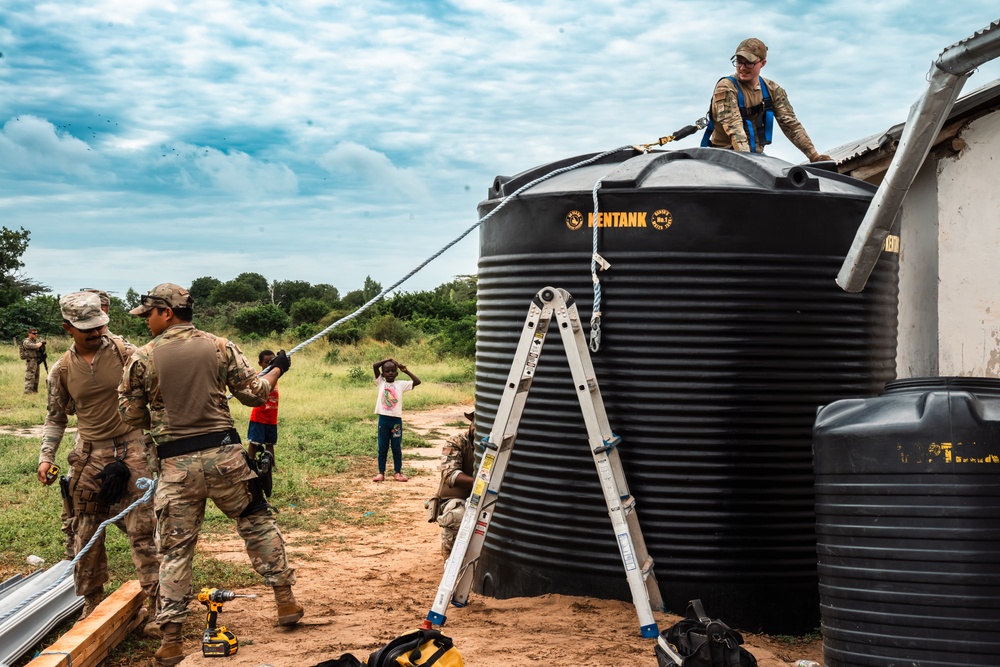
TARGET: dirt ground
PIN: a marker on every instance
(380, 582)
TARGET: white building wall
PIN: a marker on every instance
(953, 327)
(917, 347)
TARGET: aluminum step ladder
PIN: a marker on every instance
(456, 582)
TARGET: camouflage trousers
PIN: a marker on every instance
(184, 484)
(450, 520)
(31, 376)
(91, 571)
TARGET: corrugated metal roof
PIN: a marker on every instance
(981, 99)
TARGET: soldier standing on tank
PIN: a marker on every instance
(744, 127)
(32, 350)
(176, 386)
(109, 456)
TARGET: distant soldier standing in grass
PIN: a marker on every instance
(176, 387)
(32, 350)
(109, 456)
(389, 408)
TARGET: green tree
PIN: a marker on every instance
(261, 320)
(328, 294)
(201, 288)
(40, 311)
(258, 283)
(287, 292)
(358, 298)
(14, 287)
(233, 291)
(308, 311)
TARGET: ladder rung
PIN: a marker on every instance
(487, 444)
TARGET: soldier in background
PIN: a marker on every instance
(32, 350)
(176, 387)
(747, 126)
(104, 296)
(457, 469)
(109, 455)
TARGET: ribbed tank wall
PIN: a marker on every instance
(908, 522)
(713, 364)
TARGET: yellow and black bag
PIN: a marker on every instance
(421, 648)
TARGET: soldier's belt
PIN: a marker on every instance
(129, 437)
(196, 443)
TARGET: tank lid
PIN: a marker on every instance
(680, 169)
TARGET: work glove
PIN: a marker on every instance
(282, 361)
(114, 482)
(821, 157)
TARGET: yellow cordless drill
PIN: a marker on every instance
(217, 642)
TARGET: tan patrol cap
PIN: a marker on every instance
(164, 295)
(105, 298)
(83, 310)
(752, 49)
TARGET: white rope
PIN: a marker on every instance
(595, 317)
(143, 483)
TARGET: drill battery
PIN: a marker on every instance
(219, 643)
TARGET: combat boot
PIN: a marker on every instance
(147, 615)
(289, 611)
(90, 602)
(171, 649)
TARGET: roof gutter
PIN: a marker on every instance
(927, 116)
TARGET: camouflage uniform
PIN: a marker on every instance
(164, 388)
(29, 352)
(89, 390)
(729, 130)
(458, 455)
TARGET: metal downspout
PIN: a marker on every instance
(927, 116)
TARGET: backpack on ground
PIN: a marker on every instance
(704, 642)
(421, 648)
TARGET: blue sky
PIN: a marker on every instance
(144, 141)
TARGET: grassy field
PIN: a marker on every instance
(326, 428)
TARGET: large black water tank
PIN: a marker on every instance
(908, 523)
(723, 331)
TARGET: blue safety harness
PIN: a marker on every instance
(756, 123)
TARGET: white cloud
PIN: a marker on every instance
(342, 124)
(31, 146)
(238, 173)
(359, 165)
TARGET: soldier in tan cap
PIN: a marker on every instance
(104, 296)
(176, 386)
(109, 455)
(745, 105)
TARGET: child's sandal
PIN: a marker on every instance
(378, 478)
(400, 477)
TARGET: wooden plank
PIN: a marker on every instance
(88, 642)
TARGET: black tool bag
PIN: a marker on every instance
(704, 642)
(421, 648)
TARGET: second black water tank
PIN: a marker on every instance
(723, 331)
(908, 522)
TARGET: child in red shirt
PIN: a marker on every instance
(263, 430)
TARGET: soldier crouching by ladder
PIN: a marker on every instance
(457, 467)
